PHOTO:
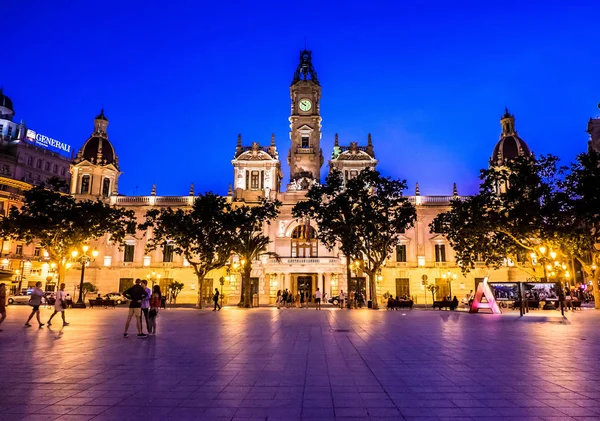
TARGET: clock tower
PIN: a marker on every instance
(305, 157)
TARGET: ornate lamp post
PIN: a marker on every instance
(450, 277)
(154, 278)
(84, 259)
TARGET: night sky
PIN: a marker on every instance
(179, 80)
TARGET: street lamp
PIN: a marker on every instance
(154, 278)
(84, 258)
(451, 277)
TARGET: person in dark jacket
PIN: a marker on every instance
(135, 294)
(216, 299)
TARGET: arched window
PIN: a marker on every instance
(85, 184)
(106, 187)
(304, 243)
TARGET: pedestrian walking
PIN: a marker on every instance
(35, 302)
(290, 298)
(2, 303)
(318, 299)
(342, 298)
(60, 305)
(155, 303)
(135, 294)
(302, 298)
(278, 302)
(216, 300)
(145, 305)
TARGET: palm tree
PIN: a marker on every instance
(252, 245)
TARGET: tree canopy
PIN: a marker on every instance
(203, 235)
(365, 216)
(249, 241)
(60, 223)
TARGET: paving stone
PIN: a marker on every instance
(290, 365)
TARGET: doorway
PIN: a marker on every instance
(304, 285)
(402, 287)
(358, 284)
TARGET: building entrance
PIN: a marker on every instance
(304, 285)
(360, 285)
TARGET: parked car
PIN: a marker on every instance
(335, 300)
(19, 299)
(117, 297)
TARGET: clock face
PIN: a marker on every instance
(305, 104)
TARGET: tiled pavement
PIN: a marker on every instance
(298, 364)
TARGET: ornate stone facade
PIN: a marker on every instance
(421, 256)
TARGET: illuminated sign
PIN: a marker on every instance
(45, 141)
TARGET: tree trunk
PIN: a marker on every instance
(246, 296)
(62, 274)
(348, 277)
(596, 289)
(373, 289)
(200, 289)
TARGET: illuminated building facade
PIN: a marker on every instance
(421, 257)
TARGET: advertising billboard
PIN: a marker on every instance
(507, 291)
(540, 291)
(46, 142)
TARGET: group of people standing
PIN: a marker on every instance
(286, 299)
(143, 302)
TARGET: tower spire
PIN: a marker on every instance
(305, 70)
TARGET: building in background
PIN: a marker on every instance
(421, 256)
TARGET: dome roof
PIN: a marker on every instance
(6, 102)
(509, 147)
(98, 148)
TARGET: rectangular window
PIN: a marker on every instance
(168, 253)
(125, 284)
(440, 253)
(401, 253)
(19, 250)
(38, 164)
(305, 143)
(9, 131)
(402, 287)
(247, 180)
(254, 180)
(47, 166)
(36, 252)
(208, 291)
(128, 253)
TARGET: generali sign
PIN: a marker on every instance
(45, 141)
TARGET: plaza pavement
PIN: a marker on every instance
(302, 364)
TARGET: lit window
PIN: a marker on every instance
(106, 187)
(107, 261)
(19, 250)
(147, 260)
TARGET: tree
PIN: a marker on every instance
(333, 212)
(250, 243)
(88, 287)
(433, 288)
(582, 223)
(519, 207)
(175, 288)
(203, 235)
(382, 214)
(60, 223)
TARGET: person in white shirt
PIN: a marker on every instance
(342, 298)
(60, 305)
(318, 299)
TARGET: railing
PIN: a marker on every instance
(420, 200)
(305, 260)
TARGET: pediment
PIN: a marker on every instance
(438, 238)
(254, 155)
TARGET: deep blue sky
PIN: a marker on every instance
(179, 80)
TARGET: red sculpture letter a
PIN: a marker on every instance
(484, 289)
